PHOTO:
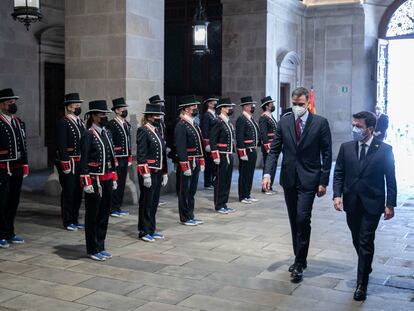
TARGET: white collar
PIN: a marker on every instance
(304, 118)
(248, 116)
(267, 113)
(97, 128)
(120, 120)
(224, 117)
(8, 118)
(72, 116)
(368, 143)
(212, 112)
(188, 118)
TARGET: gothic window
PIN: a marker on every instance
(402, 21)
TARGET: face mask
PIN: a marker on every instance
(378, 112)
(12, 109)
(156, 122)
(359, 134)
(252, 110)
(77, 111)
(124, 114)
(194, 113)
(103, 121)
(298, 111)
(273, 109)
(230, 112)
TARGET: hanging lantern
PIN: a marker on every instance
(200, 30)
(27, 11)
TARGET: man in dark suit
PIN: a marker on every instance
(359, 189)
(380, 131)
(307, 158)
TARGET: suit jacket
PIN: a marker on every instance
(12, 140)
(247, 133)
(367, 182)
(121, 136)
(310, 160)
(222, 137)
(382, 126)
(267, 127)
(151, 150)
(68, 136)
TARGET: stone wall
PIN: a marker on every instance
(20, 69)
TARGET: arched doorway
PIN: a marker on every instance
(395, 81)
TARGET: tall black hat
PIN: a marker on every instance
(118, 103)
(97, 106)
(225, 102)
(247, 101)
(266, 101)
(72, 98)
(153, 109)
(188, 100)
(156, 99)
(7, 94)
(209, 98)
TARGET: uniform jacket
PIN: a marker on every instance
(97, 153)
(121, 136)
(382, 126)
(222, 138)
(151, 150)
(373, 182)
(12, 140)
(247, 133)
(267, 129)
(207, 123)
(310, 160)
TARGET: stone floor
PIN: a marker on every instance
(232, 262)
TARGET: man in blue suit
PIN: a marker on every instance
(364, 186)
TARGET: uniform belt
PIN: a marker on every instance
(3, 166)
(104, 177)
(76, 159)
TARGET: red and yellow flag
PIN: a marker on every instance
(312, 101)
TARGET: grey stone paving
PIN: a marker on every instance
(232, 262)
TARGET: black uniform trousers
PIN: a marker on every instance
(148, 204)
(118, 194)
(10, 187)
(209, 172)
(97, 209)
(363, 226)
(299, 201)
(273, 171)
(246, 174)
(187, 191)
(224, 172)
(71, 196)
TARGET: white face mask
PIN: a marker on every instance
(298, 111)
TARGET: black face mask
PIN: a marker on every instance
(273, 109)
(103, 121)
(12, 108)
(252, 110)
(77, 111)
(156, 122)
(194, 113)
(124, 114)
(230, 112)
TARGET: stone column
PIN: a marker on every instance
(115, 48)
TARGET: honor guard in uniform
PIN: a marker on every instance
(247, 138)
(121, 136)
(69, 131)
(98, 178)
(267, 126)
(222, 140)
(208, 119)
(13, 166)
(156, 99)
(189, 148)
(152, 171)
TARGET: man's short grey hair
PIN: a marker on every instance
(300, 91)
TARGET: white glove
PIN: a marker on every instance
(244, 158)
(217, 161)
(187, 173)
(88, 189)
(202, 168)
(164, 180)
(25, 175)
(66, 172)
(147, 180)
(114, 185)
(208, 148)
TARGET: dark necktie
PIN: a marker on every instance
(298, 129)
(362, 155)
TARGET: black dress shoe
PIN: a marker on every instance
(292, 267)
(360, 293)
(297, 274)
